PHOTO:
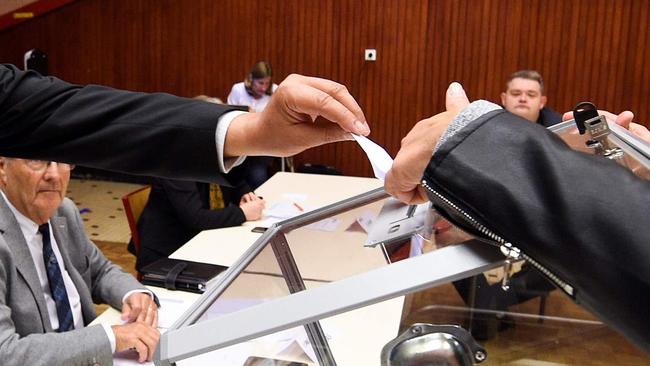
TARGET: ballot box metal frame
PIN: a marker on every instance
(187, 337)
(636, 155)
(306, 307)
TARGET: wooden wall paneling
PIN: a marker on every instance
(568, 41)
(643, 104)
(553, 60)
(457, 49)
(621, 44)
(431, 55)
(602, 19)
(638, 49)
(396, 89)
(541, 48)
(575, 79)
(480, 62)
(586, 58)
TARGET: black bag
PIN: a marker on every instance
(174, 274)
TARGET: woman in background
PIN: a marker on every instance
(255, 92)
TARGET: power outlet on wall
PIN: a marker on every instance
(370, 54)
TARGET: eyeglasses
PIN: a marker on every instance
(42, 165)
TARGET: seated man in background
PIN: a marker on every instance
(178, 210)
(524, 96)
(50, 273)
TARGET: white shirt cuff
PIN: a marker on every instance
(110, 334)
(107, 327)
(142, 290)
(225, 164)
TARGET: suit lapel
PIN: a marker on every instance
(14, 238)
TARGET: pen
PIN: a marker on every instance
(298, 207)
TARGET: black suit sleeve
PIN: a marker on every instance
(194, 213)
(138, 133)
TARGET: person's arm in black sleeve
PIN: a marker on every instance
(193, 213)
(46, 118)
(163, 135)
(583, 217)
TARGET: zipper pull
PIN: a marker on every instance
(505, 282)
(512, 255)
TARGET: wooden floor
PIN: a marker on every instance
(551, 343)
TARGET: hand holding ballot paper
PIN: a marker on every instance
(379, 159)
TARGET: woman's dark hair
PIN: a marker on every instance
(261, 70)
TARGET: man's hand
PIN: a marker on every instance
(403, 180)
(289, 125)
(252, 206)
(137, 336)
(140, 307)
(624, 119)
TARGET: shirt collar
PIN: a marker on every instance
(27, 226)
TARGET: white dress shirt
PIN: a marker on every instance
(220, 139)
(239, 96)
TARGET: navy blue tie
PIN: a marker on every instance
(55, 279)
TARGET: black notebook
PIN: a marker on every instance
(174, 274)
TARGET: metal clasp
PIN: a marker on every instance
(588, 120)
(512, 254)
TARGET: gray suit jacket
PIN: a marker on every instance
(26, 336)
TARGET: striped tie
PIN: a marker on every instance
(55, 279)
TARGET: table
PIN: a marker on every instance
(354, 344)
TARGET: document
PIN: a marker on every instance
(379, 159)
(329, 224)
(291, 204)
(173, 309)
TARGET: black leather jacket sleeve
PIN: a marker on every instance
(583, 217)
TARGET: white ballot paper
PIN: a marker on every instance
(379, 158)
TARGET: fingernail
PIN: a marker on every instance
(361, 128)
(455, 89)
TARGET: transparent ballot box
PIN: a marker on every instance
(334, 286)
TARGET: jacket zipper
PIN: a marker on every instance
(510, 251)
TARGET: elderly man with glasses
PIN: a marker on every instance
(50, 273)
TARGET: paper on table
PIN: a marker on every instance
(366, 219)
(174, 308)
(284, 210)
(329, 224)
(379, 158)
